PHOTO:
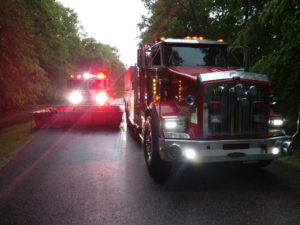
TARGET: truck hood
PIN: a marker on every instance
(208, 73)
(196, 70)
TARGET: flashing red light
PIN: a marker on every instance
(79, 76)
(215, 105)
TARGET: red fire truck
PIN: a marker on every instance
(89, 104)
(187, 105)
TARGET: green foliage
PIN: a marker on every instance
(209, 18)
(21, 77)
(278, 38)
(40, 45)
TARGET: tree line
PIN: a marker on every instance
(41, 44)
(269, 28)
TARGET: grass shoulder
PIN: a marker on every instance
(293, 159)
(12, 138)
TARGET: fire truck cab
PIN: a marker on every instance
(88, 89)
(89, 104)
(188, 105)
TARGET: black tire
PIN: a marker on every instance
(153, 161)
(130, 127)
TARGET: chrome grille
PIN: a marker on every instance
(235, 109)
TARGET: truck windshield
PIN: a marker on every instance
(195, 55)
(88, 84)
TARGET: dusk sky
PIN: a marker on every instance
(111, 22)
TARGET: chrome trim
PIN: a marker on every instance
(212, 150)
(232, 74)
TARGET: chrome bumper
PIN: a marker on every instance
(246, 150)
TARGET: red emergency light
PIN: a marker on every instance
(87, 76)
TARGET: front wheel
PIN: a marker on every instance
(151, 147)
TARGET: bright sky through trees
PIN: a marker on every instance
(112, 22)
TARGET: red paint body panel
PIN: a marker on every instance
(169, 108)
(66, 116)
(191, 72)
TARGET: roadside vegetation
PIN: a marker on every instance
(292, 159)
(12, 139)
(41, 44)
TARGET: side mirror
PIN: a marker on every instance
(273, 100)
(190, 100)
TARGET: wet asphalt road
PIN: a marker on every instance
(92, 176)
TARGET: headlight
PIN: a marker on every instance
(75, 97)
(174, 124)
(190, 154)
(276, 121)
(175, 127)
(170, 125)
(174, 135)
(101, 98)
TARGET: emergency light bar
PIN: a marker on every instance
(196, 38)
(86, 76)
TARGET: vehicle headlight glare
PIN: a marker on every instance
(101, 98)
(190, 154)
(170, 125)
(276, 121)
(275, 151)
(75, 97)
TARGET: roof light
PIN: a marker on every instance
(187, 38)
(86, 76)
(195, 38)
(101, 76)
(220, 40)
(162, 38)
(201, 38)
